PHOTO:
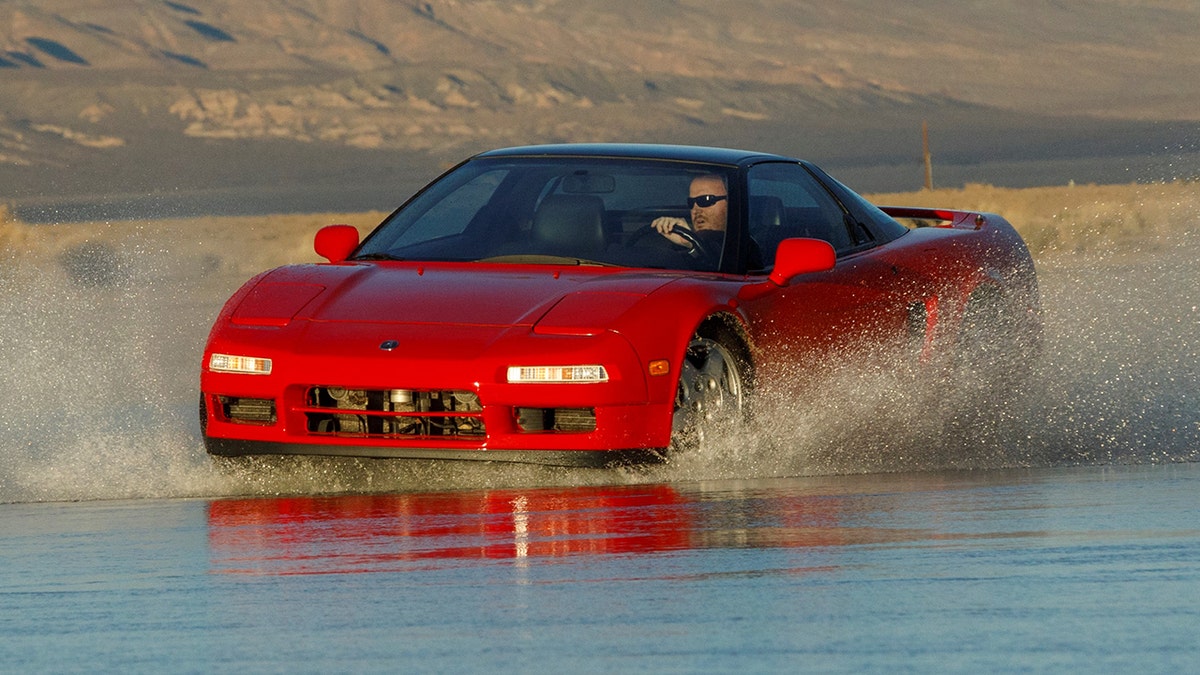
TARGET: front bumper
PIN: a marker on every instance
(434, 405)
(223, 447)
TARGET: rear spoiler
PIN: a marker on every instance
(939, 217)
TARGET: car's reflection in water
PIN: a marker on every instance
(397, 532)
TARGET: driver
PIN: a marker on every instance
(708, 198)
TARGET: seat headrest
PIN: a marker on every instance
(765, 212)
(574, 222)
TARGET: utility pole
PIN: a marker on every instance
(928, 158)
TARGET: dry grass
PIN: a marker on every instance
(1077, 218)
(1066, 219)
(210, 255)
(286, 237)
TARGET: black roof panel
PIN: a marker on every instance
(686, 153)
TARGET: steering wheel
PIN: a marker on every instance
(683, 232)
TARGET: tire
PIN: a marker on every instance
(979, 339)
(710, 399)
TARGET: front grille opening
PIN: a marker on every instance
(569, 420)
(391, 413)
(260, 411)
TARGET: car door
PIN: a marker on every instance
(864, 304)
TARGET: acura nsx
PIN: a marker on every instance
(588, 304)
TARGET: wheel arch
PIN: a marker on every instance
(709, 395)
(731, 331)
(999, 336)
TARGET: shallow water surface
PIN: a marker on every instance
(1042, 569)
(881, 527)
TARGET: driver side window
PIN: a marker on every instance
(785, 202)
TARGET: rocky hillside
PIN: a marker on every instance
(94, 84)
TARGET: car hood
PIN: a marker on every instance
(447, 294)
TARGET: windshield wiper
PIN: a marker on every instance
(376, 256)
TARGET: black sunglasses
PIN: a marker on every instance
(705, 201)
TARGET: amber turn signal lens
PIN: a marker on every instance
(660, 367)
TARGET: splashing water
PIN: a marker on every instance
(101, 345)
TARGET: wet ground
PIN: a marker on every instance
(1067, 569)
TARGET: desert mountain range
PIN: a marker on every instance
(213, 96)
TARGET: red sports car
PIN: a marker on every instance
(592, 304)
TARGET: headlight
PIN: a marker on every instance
(554, 374)
(250, 365)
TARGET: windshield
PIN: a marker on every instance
(564, 210)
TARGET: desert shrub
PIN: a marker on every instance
(12, 231)
(95, 264)
(1041, 237)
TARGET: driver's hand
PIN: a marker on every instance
(664, 226)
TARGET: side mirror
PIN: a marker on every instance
(335, 243)
(801, 256)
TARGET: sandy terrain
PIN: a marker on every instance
(215, 107)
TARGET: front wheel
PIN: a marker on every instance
(711, 397)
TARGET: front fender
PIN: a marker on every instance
(661, 326)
